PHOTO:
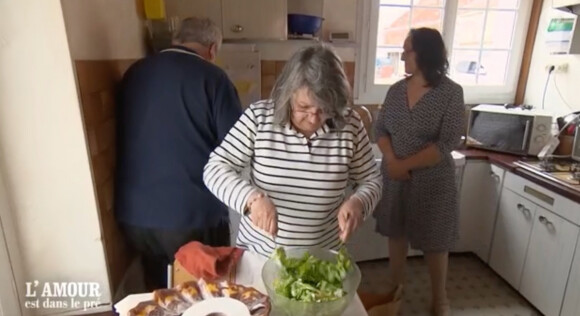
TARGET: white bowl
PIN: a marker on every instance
(220, 305)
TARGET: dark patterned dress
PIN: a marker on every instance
(425, 208)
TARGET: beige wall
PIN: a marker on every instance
(568, 83)
(44, 155)
(112, 29)
(104, 29)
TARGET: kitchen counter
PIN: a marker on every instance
(458, 157)
(507, 162)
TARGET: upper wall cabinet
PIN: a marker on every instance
(201, 8)
(564, 3)
(572, 6)
(239, 19)
(254, 19)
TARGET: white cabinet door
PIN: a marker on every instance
(571, 306)
(485, 216)
(254, 19)
(182, 9)
(472, 180)
(366, 244)
(511, 237)
(243, 67)
(548, 261)
(564, 3)
(480, 190)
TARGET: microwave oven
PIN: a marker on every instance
(519, 131)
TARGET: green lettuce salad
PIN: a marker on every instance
(309, 279)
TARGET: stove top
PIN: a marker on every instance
(563, 171)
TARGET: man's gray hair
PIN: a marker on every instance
(319, 69)
(198, 30)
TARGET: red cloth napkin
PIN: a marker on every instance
(209, 263)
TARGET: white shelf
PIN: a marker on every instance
(289, 41)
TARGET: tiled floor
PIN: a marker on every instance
(473, 288)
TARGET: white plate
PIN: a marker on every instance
(224, 305)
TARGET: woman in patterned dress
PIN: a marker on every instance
(419, 125)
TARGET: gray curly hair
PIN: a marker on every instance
(198, 30)
(319, 69)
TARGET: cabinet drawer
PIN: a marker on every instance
(531, 191)
(543, 197)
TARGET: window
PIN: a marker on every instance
(485, 40)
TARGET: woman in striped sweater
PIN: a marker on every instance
(313, 177)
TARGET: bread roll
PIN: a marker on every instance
(150, 308)
(171, 300)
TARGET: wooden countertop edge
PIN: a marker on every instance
(507, 161)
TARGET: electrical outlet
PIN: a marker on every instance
(558, 67)
(561, 68)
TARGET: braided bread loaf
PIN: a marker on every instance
(175, 301)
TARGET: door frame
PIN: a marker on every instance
(10, 263)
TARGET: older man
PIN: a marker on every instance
(175, 107)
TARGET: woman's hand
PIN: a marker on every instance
(397, 170)
(263, 213)
(350, 216)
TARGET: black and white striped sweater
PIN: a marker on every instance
(307, 179)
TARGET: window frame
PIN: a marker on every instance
(367, 92)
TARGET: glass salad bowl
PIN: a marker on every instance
(322, 299)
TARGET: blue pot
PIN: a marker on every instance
(304, 24)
